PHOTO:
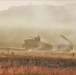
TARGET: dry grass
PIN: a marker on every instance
(35, 70)
(33, 63)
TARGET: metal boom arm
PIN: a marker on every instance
(66, 39)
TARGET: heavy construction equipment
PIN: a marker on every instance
(37, 44)
(65, 47)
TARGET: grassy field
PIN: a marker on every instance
(38, 63)
(35, 70)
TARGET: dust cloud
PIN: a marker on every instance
(20, 22)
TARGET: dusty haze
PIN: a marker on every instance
(49, 21)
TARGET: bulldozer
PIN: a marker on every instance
(37, 44)
(65, 47)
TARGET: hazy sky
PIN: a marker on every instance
(5, 4)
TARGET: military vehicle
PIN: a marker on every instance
(65, 47)
(37, 44)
